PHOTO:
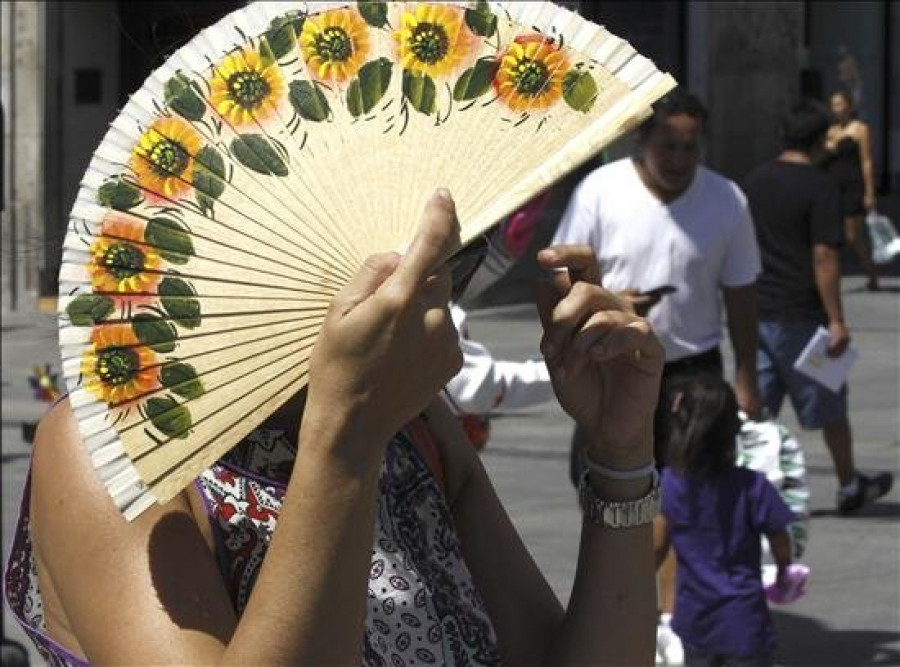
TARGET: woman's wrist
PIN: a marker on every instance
(342, 436)
(619, 489)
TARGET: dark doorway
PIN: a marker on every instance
(98, 53)
(151, 31)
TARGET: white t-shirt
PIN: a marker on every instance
(698, 243)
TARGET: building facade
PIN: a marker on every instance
(68, 66)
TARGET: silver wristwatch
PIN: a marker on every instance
(622, 513)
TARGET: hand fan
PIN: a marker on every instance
(244, 183)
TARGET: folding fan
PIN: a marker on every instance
(244, 183)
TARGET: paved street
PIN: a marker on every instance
(851, 615)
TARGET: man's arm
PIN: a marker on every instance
(740, 306)
(827, 270)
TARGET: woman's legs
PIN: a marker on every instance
(858, 238)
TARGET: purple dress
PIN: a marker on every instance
(715, 524)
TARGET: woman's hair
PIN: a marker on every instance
(805, 125)
(701, 425)
(677, 102)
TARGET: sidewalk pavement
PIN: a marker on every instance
(851, 614)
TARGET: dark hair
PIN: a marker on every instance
(804, 125)
(701, 425)
(676, 102)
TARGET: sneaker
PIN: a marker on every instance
(869, 489)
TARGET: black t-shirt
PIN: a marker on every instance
(794, 207)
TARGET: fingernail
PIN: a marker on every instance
(443, 193)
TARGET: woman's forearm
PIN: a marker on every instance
(611, 615)
(308, 605)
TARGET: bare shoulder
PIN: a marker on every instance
(68, 500)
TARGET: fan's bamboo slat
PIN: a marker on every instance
(250, 261)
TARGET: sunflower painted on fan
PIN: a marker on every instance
(434, 40)
(335, 44)
(163, 159)
(532, 73)
(117, 367)
(245, 90)
(122, 265)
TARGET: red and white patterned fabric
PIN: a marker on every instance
(423, 607)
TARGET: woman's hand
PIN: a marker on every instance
(388, 344)
(604, 361)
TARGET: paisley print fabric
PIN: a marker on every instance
(423, 607)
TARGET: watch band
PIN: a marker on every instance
(621, 513)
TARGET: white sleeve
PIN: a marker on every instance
(741, 264)
(476, 387)
(485, 384)
(526, 383)
(579, 222)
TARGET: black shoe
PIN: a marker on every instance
(869, 490)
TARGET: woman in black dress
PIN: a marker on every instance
(848, 159)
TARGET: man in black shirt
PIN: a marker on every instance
(797, 215)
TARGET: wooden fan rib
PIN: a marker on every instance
(244, 188)
(270, 227)
(274, 246)
(202, 228)
(210, 250)
(170, 482)
(108, 447)
(156, 469)
(198, 346)
(202, 268)
(318, 222)
(74, 339)
(74, 272)
(312, 184)
(88, 406)
(218, 373)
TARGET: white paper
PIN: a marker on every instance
(815, 363)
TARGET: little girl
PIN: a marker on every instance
(713, 513)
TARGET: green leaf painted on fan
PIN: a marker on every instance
(255, 152)
(209, 177)
(476, 80)
(309, 101)
(86, 310)
(119, 194)
(181, 379)
(179, 301)
(580, 90)
(171, 238)
(169, 417)
(481, 19)
(420, 91)
(181, 97)
(281, 37)
(375, 13)
(367, 90)
(154, 332)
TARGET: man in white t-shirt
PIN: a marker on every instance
(661, 220)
